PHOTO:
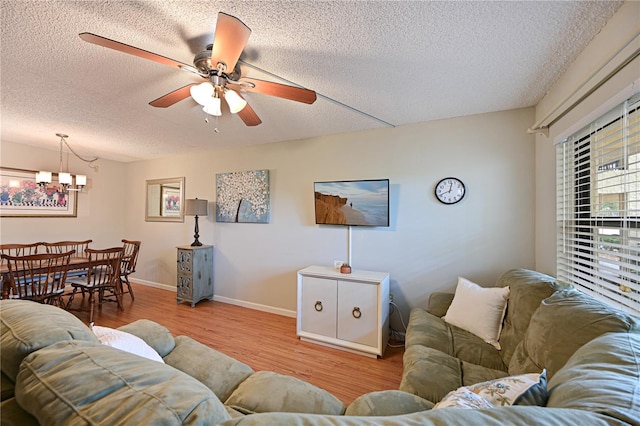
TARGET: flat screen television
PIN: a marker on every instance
(352, 202)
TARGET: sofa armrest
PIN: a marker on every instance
(439, 303)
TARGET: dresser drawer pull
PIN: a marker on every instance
(318, 306)
(356, 313)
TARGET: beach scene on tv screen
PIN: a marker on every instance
(363, 203)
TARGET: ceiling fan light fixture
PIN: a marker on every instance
(236, 103)
(213, 107)
(202, 93)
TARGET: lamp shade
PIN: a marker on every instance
(43, 177)
(196, 207)
(202, 93)
(64, 178)
(235, 101)
(81, 180)
(213, 107)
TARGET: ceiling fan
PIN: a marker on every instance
(218, 64)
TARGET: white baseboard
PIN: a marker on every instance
(256, 306)
(155, 284)
(243, 303)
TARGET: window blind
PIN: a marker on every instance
(598, 207)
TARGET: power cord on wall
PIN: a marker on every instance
(395, 334)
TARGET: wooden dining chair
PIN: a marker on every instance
(14, 250)
(103, 274)
(38, 277)
(63, 246)
(128, 266)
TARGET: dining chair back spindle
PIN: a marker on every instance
(63, 246)
(103, 274)
(128, 266)
(38, 277)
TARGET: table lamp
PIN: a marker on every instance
(196, 207)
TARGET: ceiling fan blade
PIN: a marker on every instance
(144, 54)
(229, 40)
(173, 97)
(249, 116)
(270, 88)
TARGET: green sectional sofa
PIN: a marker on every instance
(55, 370)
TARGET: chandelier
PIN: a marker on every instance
(43, 177)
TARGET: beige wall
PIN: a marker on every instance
(427, 245)
(426, 248)
(605, 52)
(101, 209)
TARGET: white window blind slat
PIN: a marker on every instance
(598, 207)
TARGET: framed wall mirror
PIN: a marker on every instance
(165, 200)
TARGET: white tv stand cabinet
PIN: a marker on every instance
(344, 311)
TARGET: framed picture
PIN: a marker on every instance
(21, 196)
(243, 197)
(171, 201)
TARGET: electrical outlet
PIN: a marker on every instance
(390, 297)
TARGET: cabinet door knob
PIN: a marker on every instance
(318, 306)
(356, 313)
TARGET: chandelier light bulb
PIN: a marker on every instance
(81, 180)
(43, 177)
(64, 178)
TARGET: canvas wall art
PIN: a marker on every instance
(243, 197)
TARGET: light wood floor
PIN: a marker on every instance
(262, 340)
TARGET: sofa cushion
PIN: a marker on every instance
(478, 310)
(266, 391)
(387, 403)
(28, 326)
(560, 326)
(429, 373)
(439, 303)
(156, 335)
(514, 415)
(74, 382)
(602, 376)
(430, 331)
(219, 372)
(6, 387)
(527, 290)
(125, 342)
(12, 414)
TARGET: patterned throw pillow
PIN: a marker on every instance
(463, 398)
(526, 389)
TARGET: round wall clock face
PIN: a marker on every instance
(450, 190)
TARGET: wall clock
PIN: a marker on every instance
(450, 190)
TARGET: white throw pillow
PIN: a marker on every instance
(478, 310)
(126, 342)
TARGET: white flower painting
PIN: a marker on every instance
(243, 197)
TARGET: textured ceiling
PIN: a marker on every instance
(397, 62)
